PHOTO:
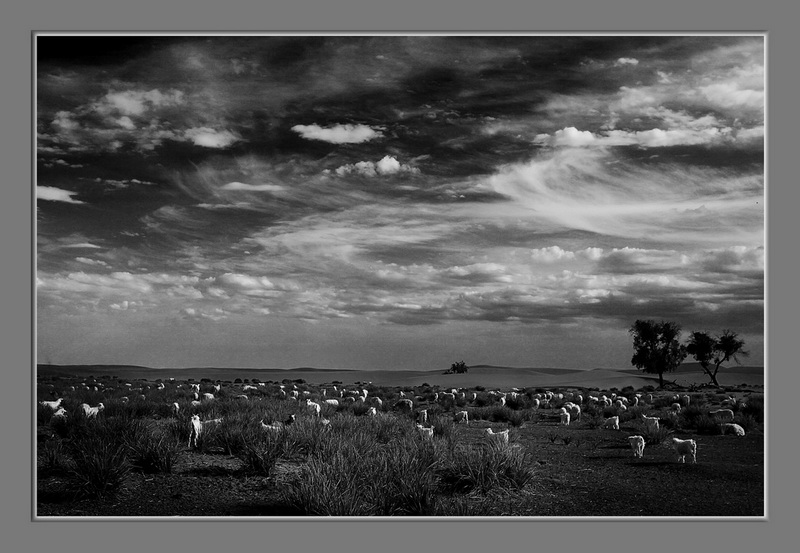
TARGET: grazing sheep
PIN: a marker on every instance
(650, 398)
(61, 413)
(402, 393)
(502, 400)
(242, 397)
(676, 407)
(637, 445)
(371, 412)
(92, 412)
(217, 388)
(208, 396)
(684, 448)
(564, 417)
(377, 401)
(573, 410)
(722, 415)
(404, 405)
(247, 387)
(326, 424)
(175, 408)
(195, 395)
(731, 428)
(274, 428)
(447, 397)
(52, 404)
(426, 433)
(315, 409)
(685, 400)
(422, 416)
(195, 429)
(195, 403)
(349, 399)
(462, 416)
(497, 437)
(332, 402)
(535, 404)
(295, 393)
(651, 423)
(612, 423)
(474, 396)
(195, 387)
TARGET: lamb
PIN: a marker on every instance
(195, 429)
(684, 448)
(422, 416)
(314, 408)
(612, 423)
(500, 438)
(651, 423)
(564, 417)
(426, 433)
(637, 445)
(332, 402)
(731, 428)
(92, 412)
(723, 415)
(462, 416)
(52, 404)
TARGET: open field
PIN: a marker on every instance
(133, 459)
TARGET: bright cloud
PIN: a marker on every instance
(56, 195)
(388, 165)
(211, 138)
(338, 134)
(252, 187)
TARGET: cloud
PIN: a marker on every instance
(626, 61)
(388, 165)
(338, 134)
(252, 187)
(88, 261)
(137, 102)
(56, 195)
(211, 138)
(551, 254)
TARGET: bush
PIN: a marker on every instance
(99, 460)
(152, 450)
(484, 468)
(654, 437)
(706, 425)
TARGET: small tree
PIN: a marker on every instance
(656, 347)
(708, 351)
(457, 368)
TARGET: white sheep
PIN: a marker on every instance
(535, 404)
(612, 423)
(61, 413)
(247, 387)
(208, 397)
(731, 428)
(195, 429)
(175, 408)
(217, 387)
(676, 407)
(637, 445)
(573, 410)
(377, 401)
(332, 402)
(685, 400)
(502, 400)
(195, 387)
(243, 397)
(684, 448)
(314, 408)
(195, 403)
(426, 433)
(497, 437)
(462, 416)
(722, 415)
(371, 412)
(564, 417)
(651, 423)
(52, 404)
(124, 399)
(92, 412)
(422, 416)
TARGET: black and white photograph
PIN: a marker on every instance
(399, 275)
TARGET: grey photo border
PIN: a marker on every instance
(622, 17)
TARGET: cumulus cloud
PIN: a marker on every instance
(53, 194)
(626, 61)
(338, 134)
(88, 261)
(388, 165)
(211, 138)
(137, 102)
(551, 254)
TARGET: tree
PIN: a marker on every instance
(457, 368)
(708, 351)
(656, 347)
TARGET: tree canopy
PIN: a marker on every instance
(708, 351)
(656, 347)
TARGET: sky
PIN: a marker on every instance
(395, 202)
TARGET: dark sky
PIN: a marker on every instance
(395, 201)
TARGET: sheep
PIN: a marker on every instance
(195, 395)
(274, 428)
(175, 408)
(722, 415)
(61, 413)
(242, 397)
(612, 423)
(349, 399)
(195, 403)
(377, 401)
(92, 412)
(535, 404)
(474, 396)
(195, 387)
(314, 408)
(731, 428)
(247, 387)
(637, 445)
(422, 416)
(332, 402)
(574, 410)
(448, 397)
(371, 412)
(208, 397)
(426, 433)
(502, 400)
(564, 417)
(124, 399)
(684, 448)
(217, 387)
(500, 438)
(292, 418)
(404, 405)
(195, 429)
(462, 416)
(295, 393)
(52, 404)
(651, 423)
(685, 400)
(676, 407)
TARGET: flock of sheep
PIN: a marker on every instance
(565, 406)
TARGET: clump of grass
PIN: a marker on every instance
(592, 421)
(99, 462)
(552, 435)
(566, 439)
(152, 450)
(706, 425)
(443, 427)
(654, 436)
(747, 422)
(53, 456)
(754, 407)
(261, 452)
(484, 468)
